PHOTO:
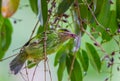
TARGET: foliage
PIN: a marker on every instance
(98, 19)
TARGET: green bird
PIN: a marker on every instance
(32, 51)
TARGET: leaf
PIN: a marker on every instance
(84, 13)
(33, 5)
(64, 6)
(103, 18)
(43, 11)
(9, 7)
(93, 56)
(61, 68)
(5, 35)
(112, 22)
(40, 29)
(118, 9)
(30, 64)
(80, 1)
(59, 53)
(98, 7)
(76, 74)
(83, 58)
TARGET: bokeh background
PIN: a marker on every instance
(21, 33)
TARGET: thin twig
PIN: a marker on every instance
(98, 44)
(23, 77)
(45, 44)
(34, 73)
(80, 26)
(26, 72)
(72, 65)
(97, 22)
(34, 29)
(49, 70)
(8, 57)
(45, 52)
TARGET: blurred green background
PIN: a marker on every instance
(21, 34)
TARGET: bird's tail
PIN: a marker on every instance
(17, 63)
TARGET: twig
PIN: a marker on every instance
(45, 52)
(72, 65)
(8, 57)
(34, 73)
(99, 45)
(23, 77)
(34, 29)
(97, 22)
(45, 44)
(26, 72)
(80, 26)
(49, 70)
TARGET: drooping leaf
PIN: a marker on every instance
(61, 68)
(103, 18)
(9, 7)
(76, 74)
(64, 6)
(93, 56)
(60, 52)
(98, 7)
(83, 58)
(33, 5)
(112, 22)
(5, 35)
(43, 11)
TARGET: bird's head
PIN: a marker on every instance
(65, 34)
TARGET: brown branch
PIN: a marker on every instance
(80, 26)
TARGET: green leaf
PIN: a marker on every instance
(5, 35)
(61, 68)
(93, 56)
(103, 18)
(30, 64)
(83, 58)
(84, 13)
(43, 11)
(112, 22)
(33, 5)
(76, 74)
(118, 9)
(40, 29)
(80, 1)
(64, 6)
(98, 7)
(59, 53)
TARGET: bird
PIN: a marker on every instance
(32, 51)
